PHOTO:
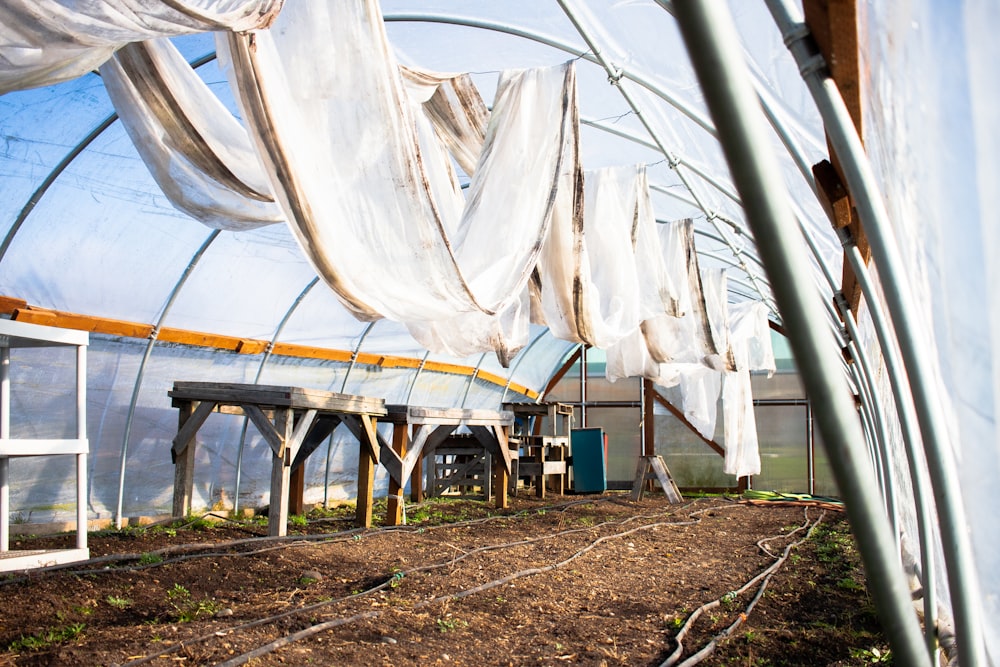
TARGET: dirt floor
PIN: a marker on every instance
(569, 580)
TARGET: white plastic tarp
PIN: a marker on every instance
(47, 41)
(341, 148)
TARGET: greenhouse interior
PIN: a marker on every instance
(411, 206)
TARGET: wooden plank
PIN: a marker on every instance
(666, 481)
(320, 431)
(459, 416)
(278, 396)
(183, 467)
(190, 426)
(281, 466)
(684, 420)
(265, 427)
(296, 490)
(394, 502)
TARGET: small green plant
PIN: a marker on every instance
(119, 602)
(18, 518)
(298, 520)
(198, 522)
(873, 655)
(728, 599)
(46, 638)
(187, 609)
(305, 581)
(150, 559)
(448, 624)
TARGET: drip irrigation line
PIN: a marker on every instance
(329, 625)
(397, 576)
(764, 577)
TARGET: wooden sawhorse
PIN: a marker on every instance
(417, 431)
(292, 420)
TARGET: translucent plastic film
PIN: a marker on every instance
(47, 41)
(343, 152)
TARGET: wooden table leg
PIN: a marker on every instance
(500, 476)
(297, 489)
(394, 504)
(366, 484)
(184, 466)
(417, 481)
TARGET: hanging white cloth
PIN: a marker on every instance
(198, 153)
(344, 154)
(43, 42)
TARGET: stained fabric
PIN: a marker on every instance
(47, 41)
(363, 193)
(199, 154)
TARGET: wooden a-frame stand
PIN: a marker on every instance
(653, 468)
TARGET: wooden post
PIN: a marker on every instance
(500, 476)
(184, 465)
(366, 484)
(281, 466)
(417, 481)
(296, 490)
(394, 504)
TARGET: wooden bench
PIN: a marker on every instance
(418, 431)
(292, 420)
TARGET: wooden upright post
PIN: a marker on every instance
(183, 465)
(281, 466)
(394, 505)
(366, 484)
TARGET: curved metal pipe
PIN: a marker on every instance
(260, 371)
(864, 189)
(713, 45)
(142, 367)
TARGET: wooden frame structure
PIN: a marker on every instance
(417, 432)
(292, 420)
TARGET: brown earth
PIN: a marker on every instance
(571, 580)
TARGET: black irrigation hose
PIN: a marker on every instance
(764, 577)
(289, 540)
(399, 575)
(328, 625)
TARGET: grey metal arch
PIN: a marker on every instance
(863, 186)
(145, 359)
(521, 356)
(260, 371)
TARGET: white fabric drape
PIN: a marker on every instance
(590, 268)
(199, 154)
(43, 42)
(347, 163)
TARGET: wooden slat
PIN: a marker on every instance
(265, 427)
(21, 310)
(190, 426)
(459, 416)
(684, 420)
(270, 395)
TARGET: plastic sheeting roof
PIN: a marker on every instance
(86, 231)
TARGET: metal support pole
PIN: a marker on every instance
(142, 369)
(713, 45)
(862, 185)
(906, 414)
(4, 461)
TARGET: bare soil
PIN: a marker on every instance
(570, 580)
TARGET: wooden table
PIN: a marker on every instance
(417, 431)
(292, 420)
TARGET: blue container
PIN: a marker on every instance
(590, 460)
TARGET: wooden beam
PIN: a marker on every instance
(394, 503)
(20, 310)
(684, 420)
(834, 27)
